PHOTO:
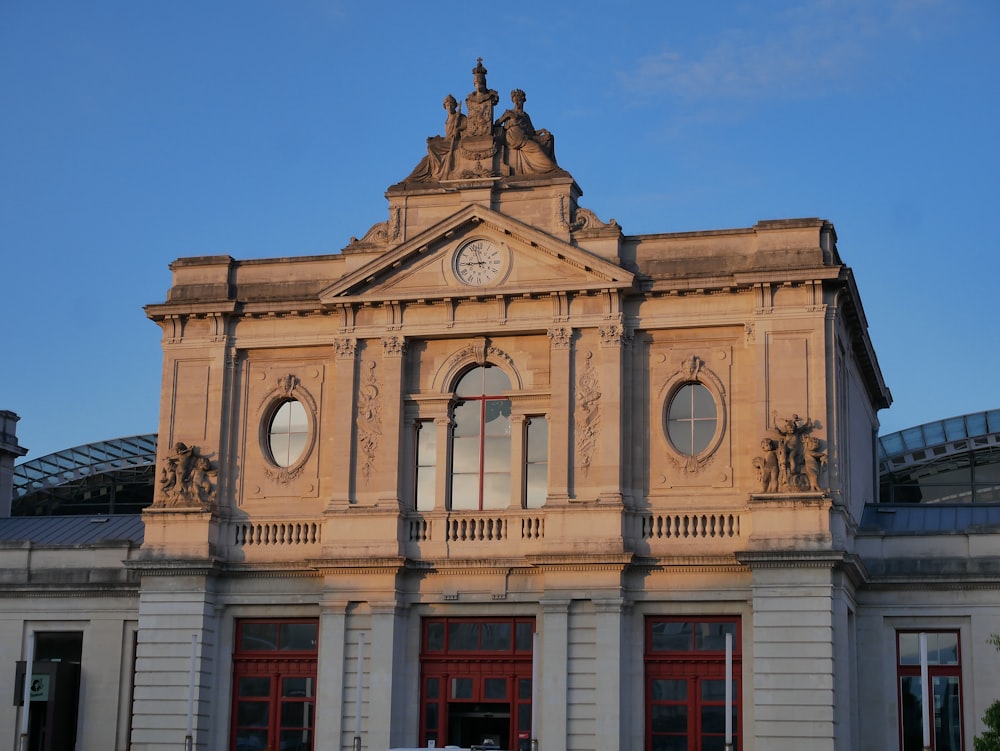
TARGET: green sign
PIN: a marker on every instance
(39, 687)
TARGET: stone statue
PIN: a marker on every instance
(480, 103)
(814, 459)
(474, 147)
(440, 159)
(529, 152)
(185, 479)
(767, 466)
(792, 462)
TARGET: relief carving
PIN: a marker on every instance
(185, 479)
(560, 337)
(792, 462)
(588, 414)
(369, 420)
(345, 347)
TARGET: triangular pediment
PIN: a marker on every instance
(521, 260)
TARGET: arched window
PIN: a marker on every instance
(691, 419)
(480, 444)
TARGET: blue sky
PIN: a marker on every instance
(137, 132)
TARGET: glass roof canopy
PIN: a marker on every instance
(114, 476)
(956, 460)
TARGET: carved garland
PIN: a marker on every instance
(369, 420)
(588, 413)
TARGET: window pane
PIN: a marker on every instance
(466, 417)
(682, 405)
(496, 382)
(713, 718)
(495, 688)
(251, 739)
(912, 719)
(252, 714)
(670, 743)
(465, 492)
(496, 491)
(497, 417)
(296, 740)
(537, 485)
(465, 455)
(909, 649)
(712, 636)
(496, 636)
(691, 419)
(461, 688)
(703, 432)
(431, 716)
(255, 687)
(435, 639)
(670, 718)
(298, 687)
(463, 636)
(496, 454)
(471, 384)
(713, 690)
(259, 636)
(426, 488)
(672, 637)
(943, 648)
(538, 440)
(524, 688)
(433, 688)
(670, 690)
(298, 636)
(288, 433)
(947, 714)
(525, 639)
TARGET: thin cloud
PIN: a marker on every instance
(795, 53)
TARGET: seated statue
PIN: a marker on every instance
(440, 159)
(529, 152)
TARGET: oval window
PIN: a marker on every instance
(288, 433)
(692, 419)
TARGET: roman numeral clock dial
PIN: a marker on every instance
(478, 263)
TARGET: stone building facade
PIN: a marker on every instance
(499, 470)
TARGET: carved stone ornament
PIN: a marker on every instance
(345, 347)
(588, 413)
(792, 458)
(560, 337)
(369, 420)
(185, 479)
(474, 146)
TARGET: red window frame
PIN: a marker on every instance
(472, 674)
(911, 719)
(698, 668)
(281, 682)
(481, 401)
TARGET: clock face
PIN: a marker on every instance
(479, 262)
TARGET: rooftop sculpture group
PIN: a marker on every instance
(475, 146)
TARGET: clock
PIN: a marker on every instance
(478, 262)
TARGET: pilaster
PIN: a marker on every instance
(393, 361)
(387, 685)
(340, 419)
(561, 448)
(551, 714)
